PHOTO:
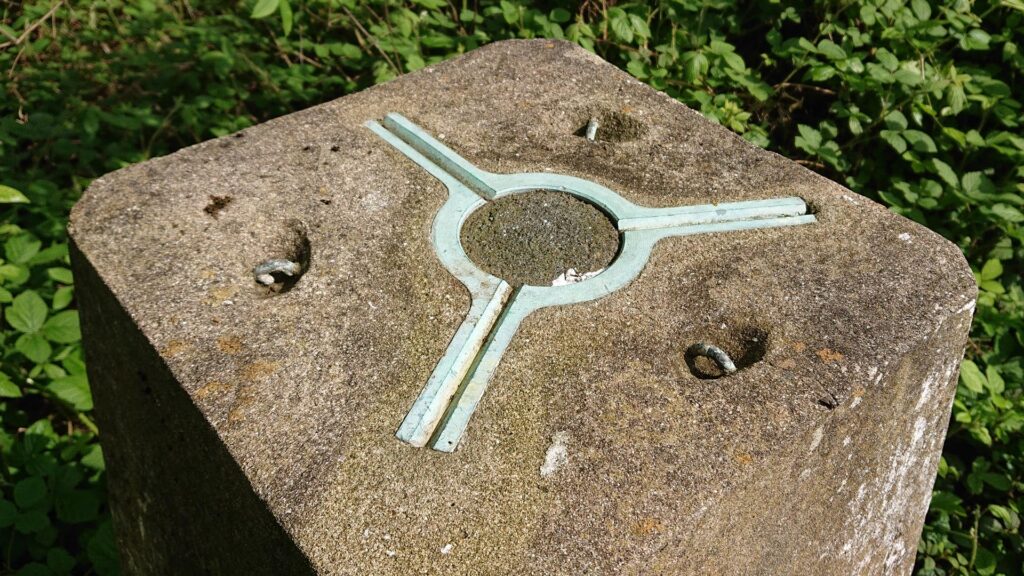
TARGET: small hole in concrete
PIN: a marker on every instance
(812, 207)
(829, 402)
(613, 127)
(534, 237)
(292, 245)
(217, 203)
(746, 346)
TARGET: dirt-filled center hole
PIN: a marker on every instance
(537, 236)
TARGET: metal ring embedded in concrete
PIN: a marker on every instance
(721, 357)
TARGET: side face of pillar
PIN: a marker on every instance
(180, 503)
(252, 429)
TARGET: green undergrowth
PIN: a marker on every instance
(915, 104)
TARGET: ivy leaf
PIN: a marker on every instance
(9, 195)
(27, 313)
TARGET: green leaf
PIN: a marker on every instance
(992, 269)
(8, 389)
(102, 551)
(27, 313)
(920, 141)
(264, 8)
(895, 140)
(62, 297)
(1008, 213)
(35, 569)
(21, 248)
(640, 26)
(31, 522)
(972, 377)
(34, 347)
(63, 327)
(831, 50)
(8, 512)
(734, 61)
(622, 28)
(14, 274)
(60, 274)
(1001, 512)
(809, 138)
(984, 562)
(77, 506)
(887, 59)
(29, 492)
(94, 458)
(895, 120)
(921, 9)
(945, 172)
(58, 560)
(908, 77)
(286, 16)
(695, 66)
(9, 195)
(559, 15)
(821, 73)
(997, 481)
(74, 390)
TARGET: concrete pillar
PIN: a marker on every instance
(250, 428)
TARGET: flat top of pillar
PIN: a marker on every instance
(597, 439)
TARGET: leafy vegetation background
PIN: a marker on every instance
(915, 104)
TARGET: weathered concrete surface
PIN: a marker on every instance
(235, 419)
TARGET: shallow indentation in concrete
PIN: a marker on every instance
(533, 237)
(613, 126)
(746, 345)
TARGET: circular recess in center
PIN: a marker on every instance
(538, 236)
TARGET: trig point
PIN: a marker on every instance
(518, 314)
